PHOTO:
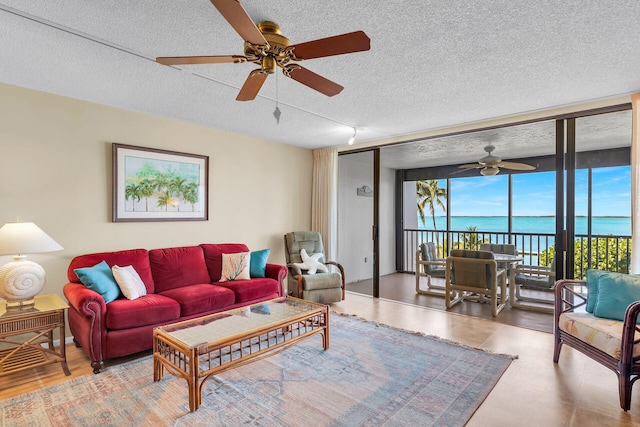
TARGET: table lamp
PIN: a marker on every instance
(20, 279)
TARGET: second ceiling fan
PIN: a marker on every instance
(265, 46)
(490, 165)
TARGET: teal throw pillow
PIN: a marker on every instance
(592, 288)
(615, 292)
(258, 263)
(99, 278)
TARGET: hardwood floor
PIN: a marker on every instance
(401, 287)
(533, 391)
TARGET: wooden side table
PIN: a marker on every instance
(23, 331)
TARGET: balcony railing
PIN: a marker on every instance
(611, 253)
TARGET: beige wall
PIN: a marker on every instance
(55, 170)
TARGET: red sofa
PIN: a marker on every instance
(181, 282)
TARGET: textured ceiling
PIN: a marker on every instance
(432, 64)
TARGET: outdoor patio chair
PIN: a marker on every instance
(534, 279)
(475, 276)
(428, 263)
(500, 248)
(321, 287)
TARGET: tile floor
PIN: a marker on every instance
(533, 391)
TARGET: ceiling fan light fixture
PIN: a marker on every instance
(489, 171)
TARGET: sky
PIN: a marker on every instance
(534, 194)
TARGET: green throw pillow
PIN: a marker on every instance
(99, 278)
(615, 292)
(258, 263)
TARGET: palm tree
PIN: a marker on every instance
(178, 186)
(470, 239)
(165, 200)
(147, 187)
(430, 194)
(132, 191)
(190, 194)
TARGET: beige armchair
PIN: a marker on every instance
(474, 276)
(428, 263)
(321, 287)
(537, 281)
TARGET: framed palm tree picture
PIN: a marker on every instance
(159, 185)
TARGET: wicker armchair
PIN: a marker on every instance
(578, 329)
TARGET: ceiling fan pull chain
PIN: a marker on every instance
(276, 112)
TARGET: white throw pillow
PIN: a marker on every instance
(129, 281)
(235, 266)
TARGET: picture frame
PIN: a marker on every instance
(159, 185)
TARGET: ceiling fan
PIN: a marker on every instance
(266, 46)
(490, 165)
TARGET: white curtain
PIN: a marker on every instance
(324, 198)
(635, 185)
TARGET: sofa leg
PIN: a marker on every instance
(97, 366)
(76, 343)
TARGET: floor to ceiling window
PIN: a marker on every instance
(512, 206)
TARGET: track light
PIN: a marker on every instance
(353, 137)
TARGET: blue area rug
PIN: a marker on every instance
(371, 375)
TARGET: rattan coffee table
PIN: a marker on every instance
(197, 349)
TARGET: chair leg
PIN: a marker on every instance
(557, 346)
(624, 386)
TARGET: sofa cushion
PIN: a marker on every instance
(138, 258)
(199, 298)
(176, 267)
(603, 334)
(249, 290)
(146, 310)
(99, 278)
(213, 256)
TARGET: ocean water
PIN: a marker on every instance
(617, 226)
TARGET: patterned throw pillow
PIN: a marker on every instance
(129, 281)
(235, 266)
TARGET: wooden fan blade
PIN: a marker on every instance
(239, 19)
(182, 60)
(252, 86)
(471, 166)
(313, 80)
(336, 45)
(517, 166)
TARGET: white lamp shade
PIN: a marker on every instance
(25, 238)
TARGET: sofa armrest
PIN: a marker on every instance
(278, 273)
(84, 300)
(87, 321)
